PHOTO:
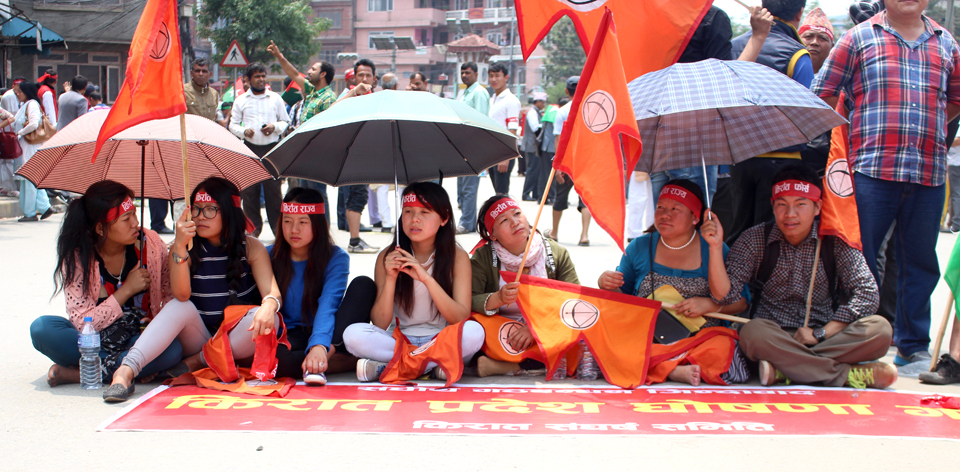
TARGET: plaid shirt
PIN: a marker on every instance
(316, 101)
(900, 93)
(784, 297)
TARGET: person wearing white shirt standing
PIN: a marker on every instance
(259, 118)
(505, 110)
(11, 104)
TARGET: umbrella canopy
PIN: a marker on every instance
(723, 112)
(64, 161)
(386, 136)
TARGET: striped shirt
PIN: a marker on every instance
(210, 289)
(900, 90)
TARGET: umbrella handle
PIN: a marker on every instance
(186, 166)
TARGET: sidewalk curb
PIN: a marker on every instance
(10, 207)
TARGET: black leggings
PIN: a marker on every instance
(355, 308)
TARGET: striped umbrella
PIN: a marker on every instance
(722, 112)
(63, 162)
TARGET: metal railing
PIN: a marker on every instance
(81, 2)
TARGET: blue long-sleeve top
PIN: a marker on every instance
(334, 285)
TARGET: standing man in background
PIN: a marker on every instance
(259, 119)
(505, 110)
(531, 147)
(476, 97)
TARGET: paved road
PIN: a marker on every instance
(54, 429)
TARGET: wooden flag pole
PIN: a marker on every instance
(941, 332)
(536, 221)
(719, 316)
(186, 168)
(813, 278)
(744, 5)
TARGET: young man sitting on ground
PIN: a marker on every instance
(776, 261)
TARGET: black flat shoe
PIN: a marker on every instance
(116, 393)
(47, 214)
(28, 219)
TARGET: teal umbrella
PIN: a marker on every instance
(392, 137)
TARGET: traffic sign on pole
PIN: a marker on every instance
(234, 57)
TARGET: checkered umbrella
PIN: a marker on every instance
(722, 112)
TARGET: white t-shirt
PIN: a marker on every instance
(505, 110)
(561, 117)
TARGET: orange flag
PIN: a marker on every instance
(658, 31)
(153, 86)
(838, 216)
(617, 327)
(601, 126)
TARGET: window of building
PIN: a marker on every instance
(330, 55)
(377, 34)
(379, 5)
(333, 16)
(461, 4)
(495, 37)
(495, 3)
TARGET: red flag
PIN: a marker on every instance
(601, 126)
(153, 86)
(617, 327)
(838, 215)
(658, 31)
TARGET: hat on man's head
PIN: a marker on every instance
(817, 20)
(537, 96)
(573, 81)
(348, 74)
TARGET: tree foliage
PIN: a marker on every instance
(565, 56)
(253, 23)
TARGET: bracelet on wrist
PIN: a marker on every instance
(274, 298)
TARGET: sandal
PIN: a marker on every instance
(177, 370)
(584, 243)
(117, 393)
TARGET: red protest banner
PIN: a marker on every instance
(520, 410)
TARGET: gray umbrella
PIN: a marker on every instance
(392, 137)
(722, 112)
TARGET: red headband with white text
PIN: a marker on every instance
(795, 188)
(684, 196)
(120, 209)
(414, 200)
(302, 208)
(497, 209)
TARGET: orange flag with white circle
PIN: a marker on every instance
(656, 33)
(600, 128)
(153, 86)
(617, 327)
(838, 214)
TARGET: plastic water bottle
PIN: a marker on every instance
(89, 342)
(587, 370)
(561, 372)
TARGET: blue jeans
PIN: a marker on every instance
(693, 174)
(33, 202)
(916, 209)
(56, 338)
(467, 196)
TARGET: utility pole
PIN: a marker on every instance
(949, 19)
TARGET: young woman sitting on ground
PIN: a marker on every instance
(100, 272)
(312, 274)
(505, 231)
(673, 253)
(424, 285)
(225, 267)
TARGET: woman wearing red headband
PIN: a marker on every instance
(505, 232)
(673, 253)
(422, 286)
(225, 267)
(100, 272)
(312, 275)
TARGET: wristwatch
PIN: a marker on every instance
(178, 259)
(820, 334)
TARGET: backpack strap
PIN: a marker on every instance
(771, 254)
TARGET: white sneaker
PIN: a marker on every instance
(439, 374)
(362, 248)
(369, 370)
(317, 379)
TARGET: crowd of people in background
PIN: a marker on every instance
(895, 74)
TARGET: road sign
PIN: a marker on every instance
(234, 57)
